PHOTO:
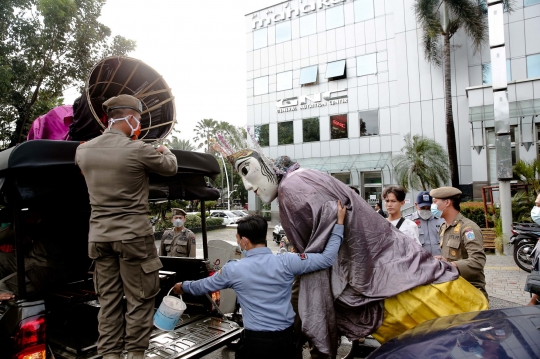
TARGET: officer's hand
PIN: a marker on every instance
(6, 296)
(161, 149)
(178, 289)
(341, 212)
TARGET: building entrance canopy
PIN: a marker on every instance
(518, 109)
(363, 162)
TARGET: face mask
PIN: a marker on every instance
(178, 223)
(135, 131)
(244, 252)
(535, 215)
(425, 214)
(435, 210)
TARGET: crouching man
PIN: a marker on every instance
(263, 283)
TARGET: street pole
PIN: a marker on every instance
(501, 111)
(228, 188)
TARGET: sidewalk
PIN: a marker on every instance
(504, 279)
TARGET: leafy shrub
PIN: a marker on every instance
(163, 225)
(214, 222)
(475, 212)
(192, 221)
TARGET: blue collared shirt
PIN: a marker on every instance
(263, 282)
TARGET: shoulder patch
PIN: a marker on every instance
(302, 256)
(470, 235)
(193, 240)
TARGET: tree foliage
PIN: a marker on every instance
(205, 130)
(47, 46)
(423, 164)
(529, 173)
(180, 144)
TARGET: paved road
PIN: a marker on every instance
(504, 284)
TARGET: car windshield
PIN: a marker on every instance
(239, 213)
(230, 214)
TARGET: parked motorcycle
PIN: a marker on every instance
(278, 233)
(524, 239)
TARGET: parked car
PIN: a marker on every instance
(240, 213)
(228, 216)
(497, 333)
(61, 320)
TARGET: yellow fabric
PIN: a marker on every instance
(410, 308)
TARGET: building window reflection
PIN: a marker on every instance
(260, 38)
(533, 66)
(260, 86)
(262, 135)
(369, 123)
(308, 25)
(285, 133)
(531, 2)
(363, 10)
(283, 32)
(338, 126)
(366, 65)
(335, 17)
(308, 75)
(284, 81)
(486, 73)
(336, 70)
(311, 129)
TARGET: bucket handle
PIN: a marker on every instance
(168, 294)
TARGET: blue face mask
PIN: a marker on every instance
(244, 252)
(535, 214)
(435, 210)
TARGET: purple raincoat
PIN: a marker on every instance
(375, 261)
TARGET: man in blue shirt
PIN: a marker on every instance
(263, 282)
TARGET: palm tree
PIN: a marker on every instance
(179, 144)
(528, 172)
(205, 130)
(456, 14)
(423, 164)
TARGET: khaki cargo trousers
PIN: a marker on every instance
(130, 269)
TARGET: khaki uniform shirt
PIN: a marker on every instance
(178, 244)
(116, 172)
(462, 242)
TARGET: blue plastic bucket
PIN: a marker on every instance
(169, 312)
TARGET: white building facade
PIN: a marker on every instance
(337, 84)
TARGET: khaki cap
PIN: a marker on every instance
(178, 212)
(122, 101)
(444, 192)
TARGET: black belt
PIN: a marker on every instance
(266, 335)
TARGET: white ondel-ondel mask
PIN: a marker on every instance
(257, 177)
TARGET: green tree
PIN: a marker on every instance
(205, 130)
(423, 164)
(262, 135)
(529, 173)
(466, 14)
(179, 144)
(311, 129)
(47, 46)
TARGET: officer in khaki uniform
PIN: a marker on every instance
(178, 241)
(121, 241)
(461, 240)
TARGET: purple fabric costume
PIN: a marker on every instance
(375, 261)
(54, 125)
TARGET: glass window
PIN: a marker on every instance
(260, 86)
(338, 126)
(283, 32)
(533, 66)
(369, 123)
(335, 70)
(311, 129)
(285, 133)
(260, 38)
(363, 10)
(284, 81)
(344, 177)
(335, 17)
(262, 135)
(366, 65)
(308, 25)
(486, 74)
(308, 75)
(531, 2)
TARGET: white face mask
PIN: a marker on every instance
(262, 181)
(178, 223)
(425, 214)
(133, 129)
(535, 214)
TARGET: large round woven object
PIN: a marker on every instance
(114, 76)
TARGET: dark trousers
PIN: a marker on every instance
(266, 345)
